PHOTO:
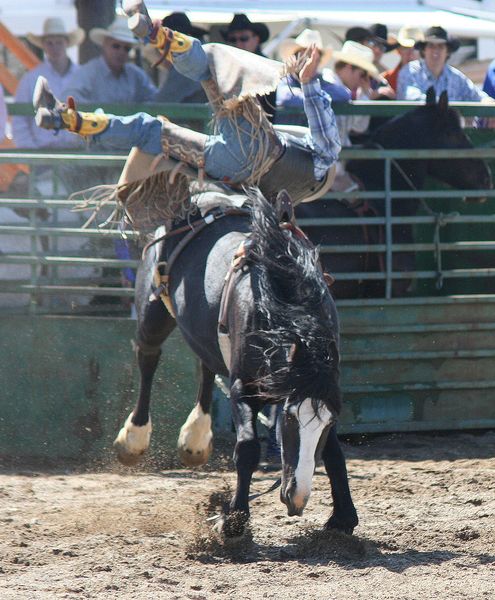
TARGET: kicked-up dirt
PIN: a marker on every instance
(427, 530)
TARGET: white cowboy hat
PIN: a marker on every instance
(360, 56)
(117, 30)
(408, 36)
(304, 40)
(55, 26)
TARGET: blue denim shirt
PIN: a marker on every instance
(415, 78)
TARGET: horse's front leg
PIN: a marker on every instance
(344, 517)
(134, 437)
(245, 408)
(196, 438)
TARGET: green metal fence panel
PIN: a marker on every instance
(409, 363)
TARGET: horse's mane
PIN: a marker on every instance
(298, 334)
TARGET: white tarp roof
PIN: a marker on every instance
(28, 15)
(345, 13)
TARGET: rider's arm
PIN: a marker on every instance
(325, 139)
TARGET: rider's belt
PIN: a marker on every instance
(293, 171)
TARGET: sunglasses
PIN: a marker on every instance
(234, 39)
(124, 47)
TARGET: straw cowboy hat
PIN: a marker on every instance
(360, 56)
(117, 30)
(301, 42)
(55, 26)
(438, 35)
(241, 22)
(408, 36)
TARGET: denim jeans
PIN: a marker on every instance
(226, 153)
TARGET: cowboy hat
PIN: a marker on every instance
(379, 33)
(55, 26)
(179, 21)
(358, 34)
(241, 22)
(438, 35)
(304, 40)
(408, 36)
(117, 30)
(360, 56)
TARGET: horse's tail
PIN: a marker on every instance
(297, 329)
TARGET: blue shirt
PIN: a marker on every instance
(489, 83)
(95, 83)
(290, 95)
(415, 78)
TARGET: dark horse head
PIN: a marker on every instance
(433, 125)
(297, 334)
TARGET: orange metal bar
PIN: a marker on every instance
(23, 53)
(8, 80)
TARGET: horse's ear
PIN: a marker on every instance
(443, 101)
(431, 97)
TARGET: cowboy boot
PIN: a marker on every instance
(51, 113)
(164, 39)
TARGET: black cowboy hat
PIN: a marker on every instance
(180, 22)
(358, 34)
(437, 34)
(240, 22)
(379, 32)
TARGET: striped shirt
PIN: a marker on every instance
(323, 137)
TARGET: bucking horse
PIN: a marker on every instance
(252, 302)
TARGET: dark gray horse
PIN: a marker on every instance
(275, 336)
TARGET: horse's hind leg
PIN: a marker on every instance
(344, 517)
(196, 438)
(153, 329)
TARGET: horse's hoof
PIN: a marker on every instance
(232, 525)
(124, 456)
(194, 458)
(345, 526)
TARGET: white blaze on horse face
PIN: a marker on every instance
(311, 428)
(195, 438)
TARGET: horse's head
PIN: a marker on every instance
(436, 126)
(297, 345)
(303, 427)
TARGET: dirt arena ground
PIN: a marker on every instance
(427, 531)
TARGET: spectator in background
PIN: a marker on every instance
(289, 93)
(432, 70)
(175, 87)
(58, 69)
(111, 78)
(381, 43)
(489, 83)
(406, 40)
(375, 38)
(244, 34)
